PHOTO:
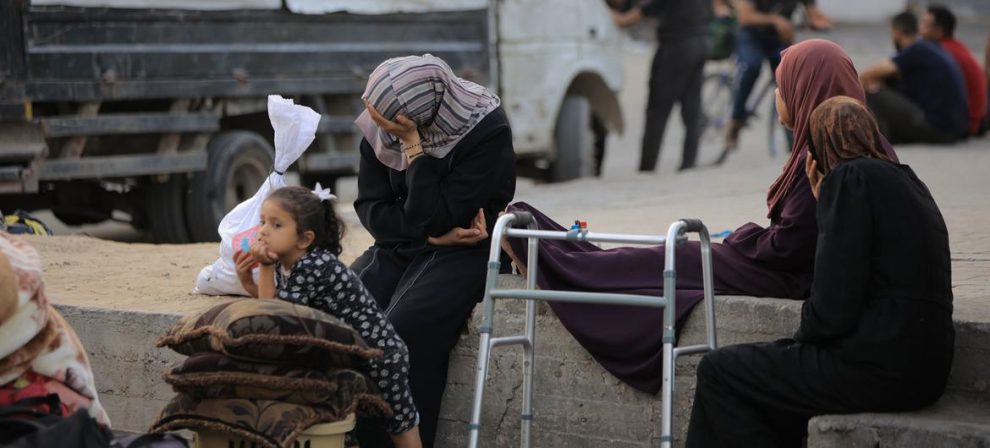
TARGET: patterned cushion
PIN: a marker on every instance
(210, 375)
(21, 359)
(270, 330)
(8, 289)
(268, 424)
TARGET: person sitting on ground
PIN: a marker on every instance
(876, 334)
(919, 96)
(298, 245)
(765, 29)
(939, 25)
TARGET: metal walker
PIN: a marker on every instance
(503, 227)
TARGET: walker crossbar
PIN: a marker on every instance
(589, 236)
(578, 297)
(676, 233)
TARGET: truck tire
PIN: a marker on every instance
(165, 210)
(75, 219)
(238, 163)
(573, 140)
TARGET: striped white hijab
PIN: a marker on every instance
(425, 90)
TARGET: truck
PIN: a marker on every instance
(153, 112)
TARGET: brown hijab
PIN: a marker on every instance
(842, 128)
(810, 73)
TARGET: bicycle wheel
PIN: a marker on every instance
(779, 139)
(716, 106)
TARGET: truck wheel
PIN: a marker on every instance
(79, 203)
(574, 141)
(75, 219)
(239, 162)
(165, 206)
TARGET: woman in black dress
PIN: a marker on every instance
(876, 334)
(437, 166)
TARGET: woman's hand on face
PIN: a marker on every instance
(402, 128)
(814, 177)
(459, 236)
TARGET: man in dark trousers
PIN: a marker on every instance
(676, 73)
(765, 29)
(919, 95)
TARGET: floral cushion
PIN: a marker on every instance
(21, 359)
(35, 338)
(272, 331)
(268, 424)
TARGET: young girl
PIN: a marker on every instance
(297, 248)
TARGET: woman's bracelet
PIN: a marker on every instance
(413, 155)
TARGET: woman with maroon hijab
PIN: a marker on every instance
(876, 334)
(773, 261)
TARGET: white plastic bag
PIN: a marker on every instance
(295, 128)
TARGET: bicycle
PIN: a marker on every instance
(718, 89)
(717, 92)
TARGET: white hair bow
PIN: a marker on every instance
(324, 193)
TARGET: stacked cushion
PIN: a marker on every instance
(269, 330)
(265, 370)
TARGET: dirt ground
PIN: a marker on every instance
(81, 270)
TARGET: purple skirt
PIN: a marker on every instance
(626, 340)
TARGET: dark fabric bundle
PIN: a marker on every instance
(272, 331)
(214, 376)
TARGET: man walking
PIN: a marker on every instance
(676, 73)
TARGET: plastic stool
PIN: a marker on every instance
(327, 435)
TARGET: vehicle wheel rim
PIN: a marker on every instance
(245, 179)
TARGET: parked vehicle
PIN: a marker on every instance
(153, 112)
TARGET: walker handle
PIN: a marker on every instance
(522, 218)
(692, 225)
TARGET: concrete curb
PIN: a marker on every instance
(577, 403)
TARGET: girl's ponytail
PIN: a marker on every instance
(334, 229)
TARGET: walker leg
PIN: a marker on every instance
(670, 296)
(709, 288)
(529, 363)
(666, 436)
(484, 348)
(529, 350)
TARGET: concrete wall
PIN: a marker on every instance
(127, 365)
(576, 402)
